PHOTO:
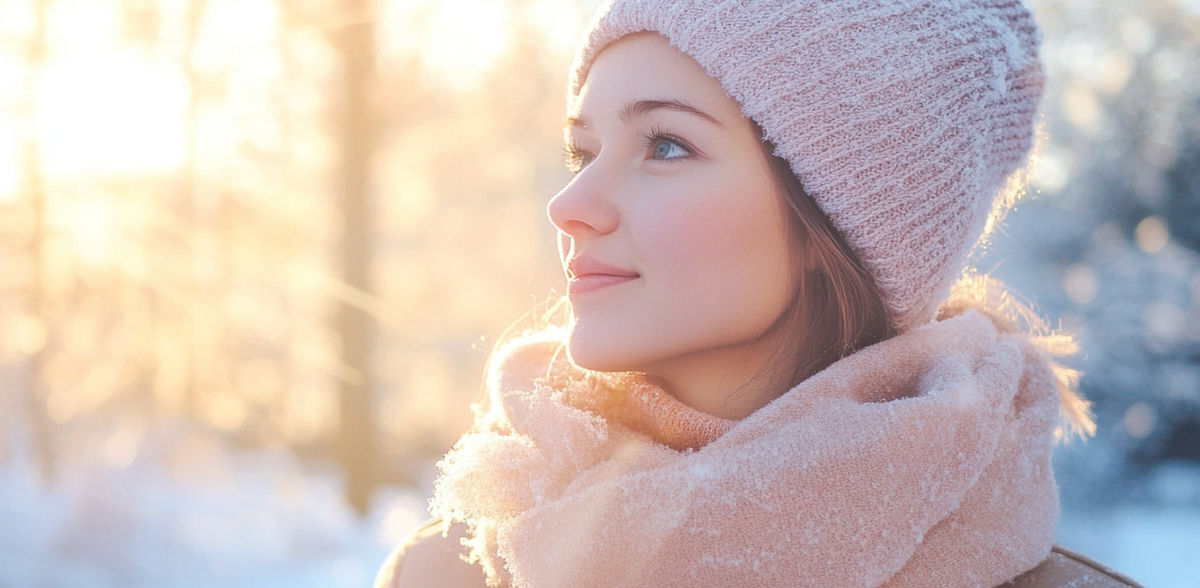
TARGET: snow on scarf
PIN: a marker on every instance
(923, 460)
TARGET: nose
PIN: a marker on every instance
(583, 206)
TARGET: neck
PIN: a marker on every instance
(726, 382)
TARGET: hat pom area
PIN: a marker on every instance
(902, 119)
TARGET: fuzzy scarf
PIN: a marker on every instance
(923, 460)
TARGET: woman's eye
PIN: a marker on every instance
(659, 146)
(663, 148)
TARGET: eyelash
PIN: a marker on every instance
(574, 156)
(657, 135)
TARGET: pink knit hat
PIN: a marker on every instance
(902, 118)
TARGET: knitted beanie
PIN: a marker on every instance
(902, 119)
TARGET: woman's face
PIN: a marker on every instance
(673, 191)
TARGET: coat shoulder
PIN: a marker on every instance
(1067, 568)
(428, 558)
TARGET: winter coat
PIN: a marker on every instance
(428, 559)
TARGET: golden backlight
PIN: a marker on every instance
(176, 178)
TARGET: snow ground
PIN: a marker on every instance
(264, 519)
(246, 519)
(1155, 543)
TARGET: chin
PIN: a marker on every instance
(597, 360)
(595, 352)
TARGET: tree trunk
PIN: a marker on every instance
(356, 443)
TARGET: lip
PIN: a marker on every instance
(586, 274)
(581, 284)
(582, 265)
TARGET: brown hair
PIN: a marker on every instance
(836, 308)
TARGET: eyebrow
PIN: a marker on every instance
(641, 107)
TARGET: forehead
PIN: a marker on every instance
(645, 66)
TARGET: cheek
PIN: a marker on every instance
(724, 240)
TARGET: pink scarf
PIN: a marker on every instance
(923, 460)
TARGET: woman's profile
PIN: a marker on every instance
(777, 368)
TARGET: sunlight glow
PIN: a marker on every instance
(458, 39)
(122, 118)
(81, 25)
(307, 411)
(16, 18)
(259, 381)
(10, 166)
(90, 226)
(561, 22)
(235, 30)
(29, 334)
(1050, 169)
(224, 409)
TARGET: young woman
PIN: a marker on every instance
(775, 371)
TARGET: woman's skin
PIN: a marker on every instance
(672, 187)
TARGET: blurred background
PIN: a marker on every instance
(253, 254)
